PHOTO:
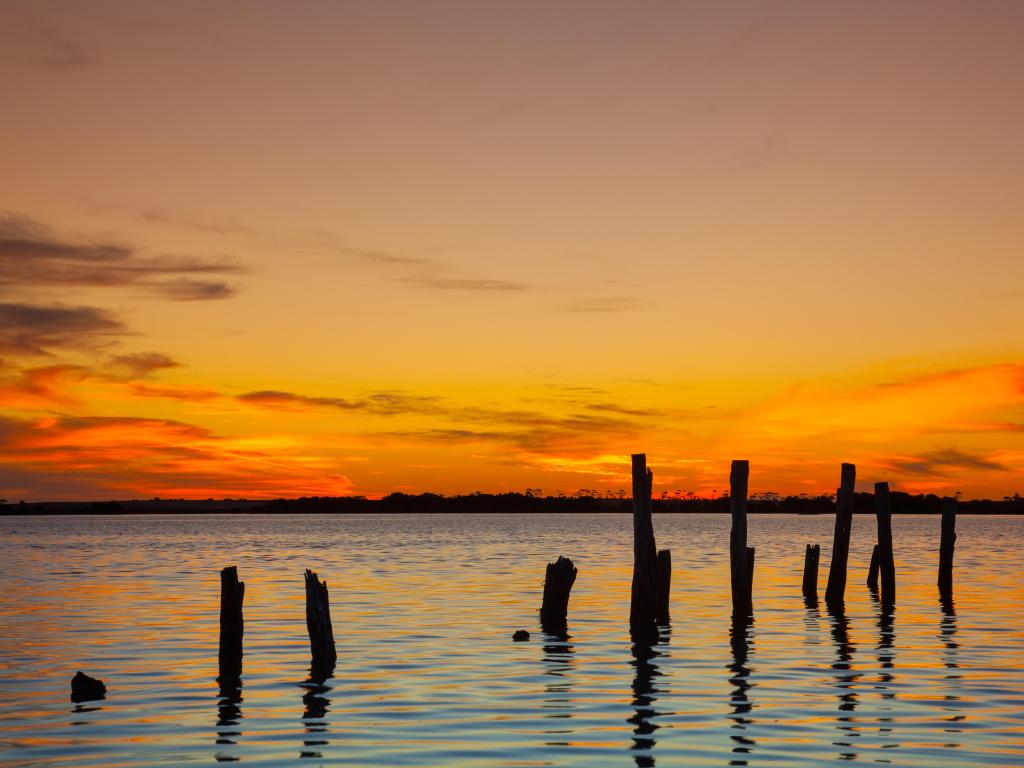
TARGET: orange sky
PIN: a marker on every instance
(288, 248)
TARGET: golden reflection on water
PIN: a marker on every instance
(424, 608)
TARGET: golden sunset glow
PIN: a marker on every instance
(332, 249)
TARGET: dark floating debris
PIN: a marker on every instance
(520, 636)
(85, 688)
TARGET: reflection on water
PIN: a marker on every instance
(229, 712)
(741, 639)
(953, 677)
(846, 678)
(645, 694)
(316, 702)
(431, 677)
(558, 671)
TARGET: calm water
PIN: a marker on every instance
(424, 608)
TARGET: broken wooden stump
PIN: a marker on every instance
(739, 578)
(85, 688)
(664, 585)
(811, 556)
(946, 546)
(558, 581)
(886, 564)
(750, 574)
(232, 592)
(318, 622)
(835, 592)
(643, 606)
(873, 570)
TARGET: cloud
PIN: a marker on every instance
(447, 283)
(123, 457)
(606, 304)
(940, 461)
(28, 329)
(32, 257)
(42, 387)
(45, 49)
(380, 403)
(141, 364)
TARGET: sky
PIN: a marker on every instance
(272, 249)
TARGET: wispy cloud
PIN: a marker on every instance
(31, 256)
(379, 403)
(29, 329)
(943, 460)
(606, 304)
(141, 364)
(440, 281)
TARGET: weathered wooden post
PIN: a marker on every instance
(558, 581)
(318, 622)
(873, 570)
(750, 576)
(886, 563)
(232, 592)
(811, 556)
(835, 592)
(643, 608)
(946, 546)
(664, 585)
(740, 578)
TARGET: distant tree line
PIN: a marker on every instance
(530, 500)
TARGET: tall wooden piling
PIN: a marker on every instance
(750, 575)
(835, 592)
(558, 580)
(946, 546)
(232, 593)
(873, 570)
(740, 578)
(318, 622)
(643, 607)
(886, 563)
(664, 585)
(811, 557)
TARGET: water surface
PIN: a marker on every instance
(424, 608)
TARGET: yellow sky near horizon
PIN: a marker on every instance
(297, 248)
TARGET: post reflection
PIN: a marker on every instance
(846, 681)
(885, 656)
(741, 640)
(558, 659)
(953, 678)
(229, 712)
(314, 715)
(645, 694)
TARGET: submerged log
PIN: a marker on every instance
(811, 556)
(946, 546)
(873, 570)
(643, 607)
(318, 621)
(739, 578)
(664, 585)
(558, 581)
(835, 592)
(85, 688)
(886, 564)
(232, 592)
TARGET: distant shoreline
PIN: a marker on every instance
(504, 503)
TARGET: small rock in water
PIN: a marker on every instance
(520, 635)
(85, 688)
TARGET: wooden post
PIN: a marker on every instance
(946, 546)
(664, 585)
(750, 575)
(558, 581)
(811, 556)
(738, 475)
(886, 564)
(232, 592)
(643, 612)
(835, 592)
(873, 570)
(318, 622)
